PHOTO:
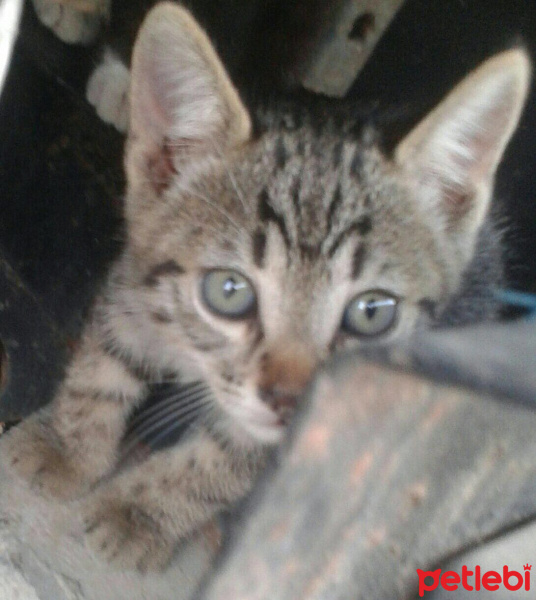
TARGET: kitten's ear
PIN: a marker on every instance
(182, 100)
(454, 152)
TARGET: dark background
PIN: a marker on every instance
(60, 167)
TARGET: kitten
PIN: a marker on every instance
(258, 245)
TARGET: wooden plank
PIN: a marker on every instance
(385, 474)
(345, 43)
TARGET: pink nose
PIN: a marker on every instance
(286, 372)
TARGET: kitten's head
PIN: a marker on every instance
(253, 257)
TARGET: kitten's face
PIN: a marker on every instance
(267, 262)
(251, 261)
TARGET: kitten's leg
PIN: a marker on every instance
(73, 21)
(136, 520)
(69, 445)
(108, 91)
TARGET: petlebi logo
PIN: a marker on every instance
(474, 579)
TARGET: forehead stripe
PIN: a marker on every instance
(356, 166)
(360, 227)
(280, 153)
(295, 191)
(358, 260)
(267, 214)
(333, 207)
(259, 248)
(170, 267)
(337, 154)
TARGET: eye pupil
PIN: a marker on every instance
(370, 310)
(370, 314)
(229, 287)
(228, 293)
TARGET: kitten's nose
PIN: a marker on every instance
(281, 402)
(284, 376)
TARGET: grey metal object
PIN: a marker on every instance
(352, 30)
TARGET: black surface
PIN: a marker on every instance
(60, 214)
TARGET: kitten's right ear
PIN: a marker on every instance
(183, 103)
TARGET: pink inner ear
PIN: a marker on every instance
(149, 115)
(152, 120)
(161, 168)
(483, 138)
(458, 200)
(162, 161)
(486, 140)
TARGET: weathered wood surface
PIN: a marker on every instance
(385, 474)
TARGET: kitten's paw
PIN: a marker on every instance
(125, 537)
(76, 23)
(29, 451)
(108, 92)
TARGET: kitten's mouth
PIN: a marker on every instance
(284, 420)
(259, 421)
(269, 431)
(284, 409)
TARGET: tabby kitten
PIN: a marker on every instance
(257, 246)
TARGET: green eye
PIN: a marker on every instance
(228, 294)
(370, 314)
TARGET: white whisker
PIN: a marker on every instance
(174, 425)
(175, 409)
(184, 393)
(179, 418)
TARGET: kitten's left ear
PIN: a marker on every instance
(453, 154)
(183, 104)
